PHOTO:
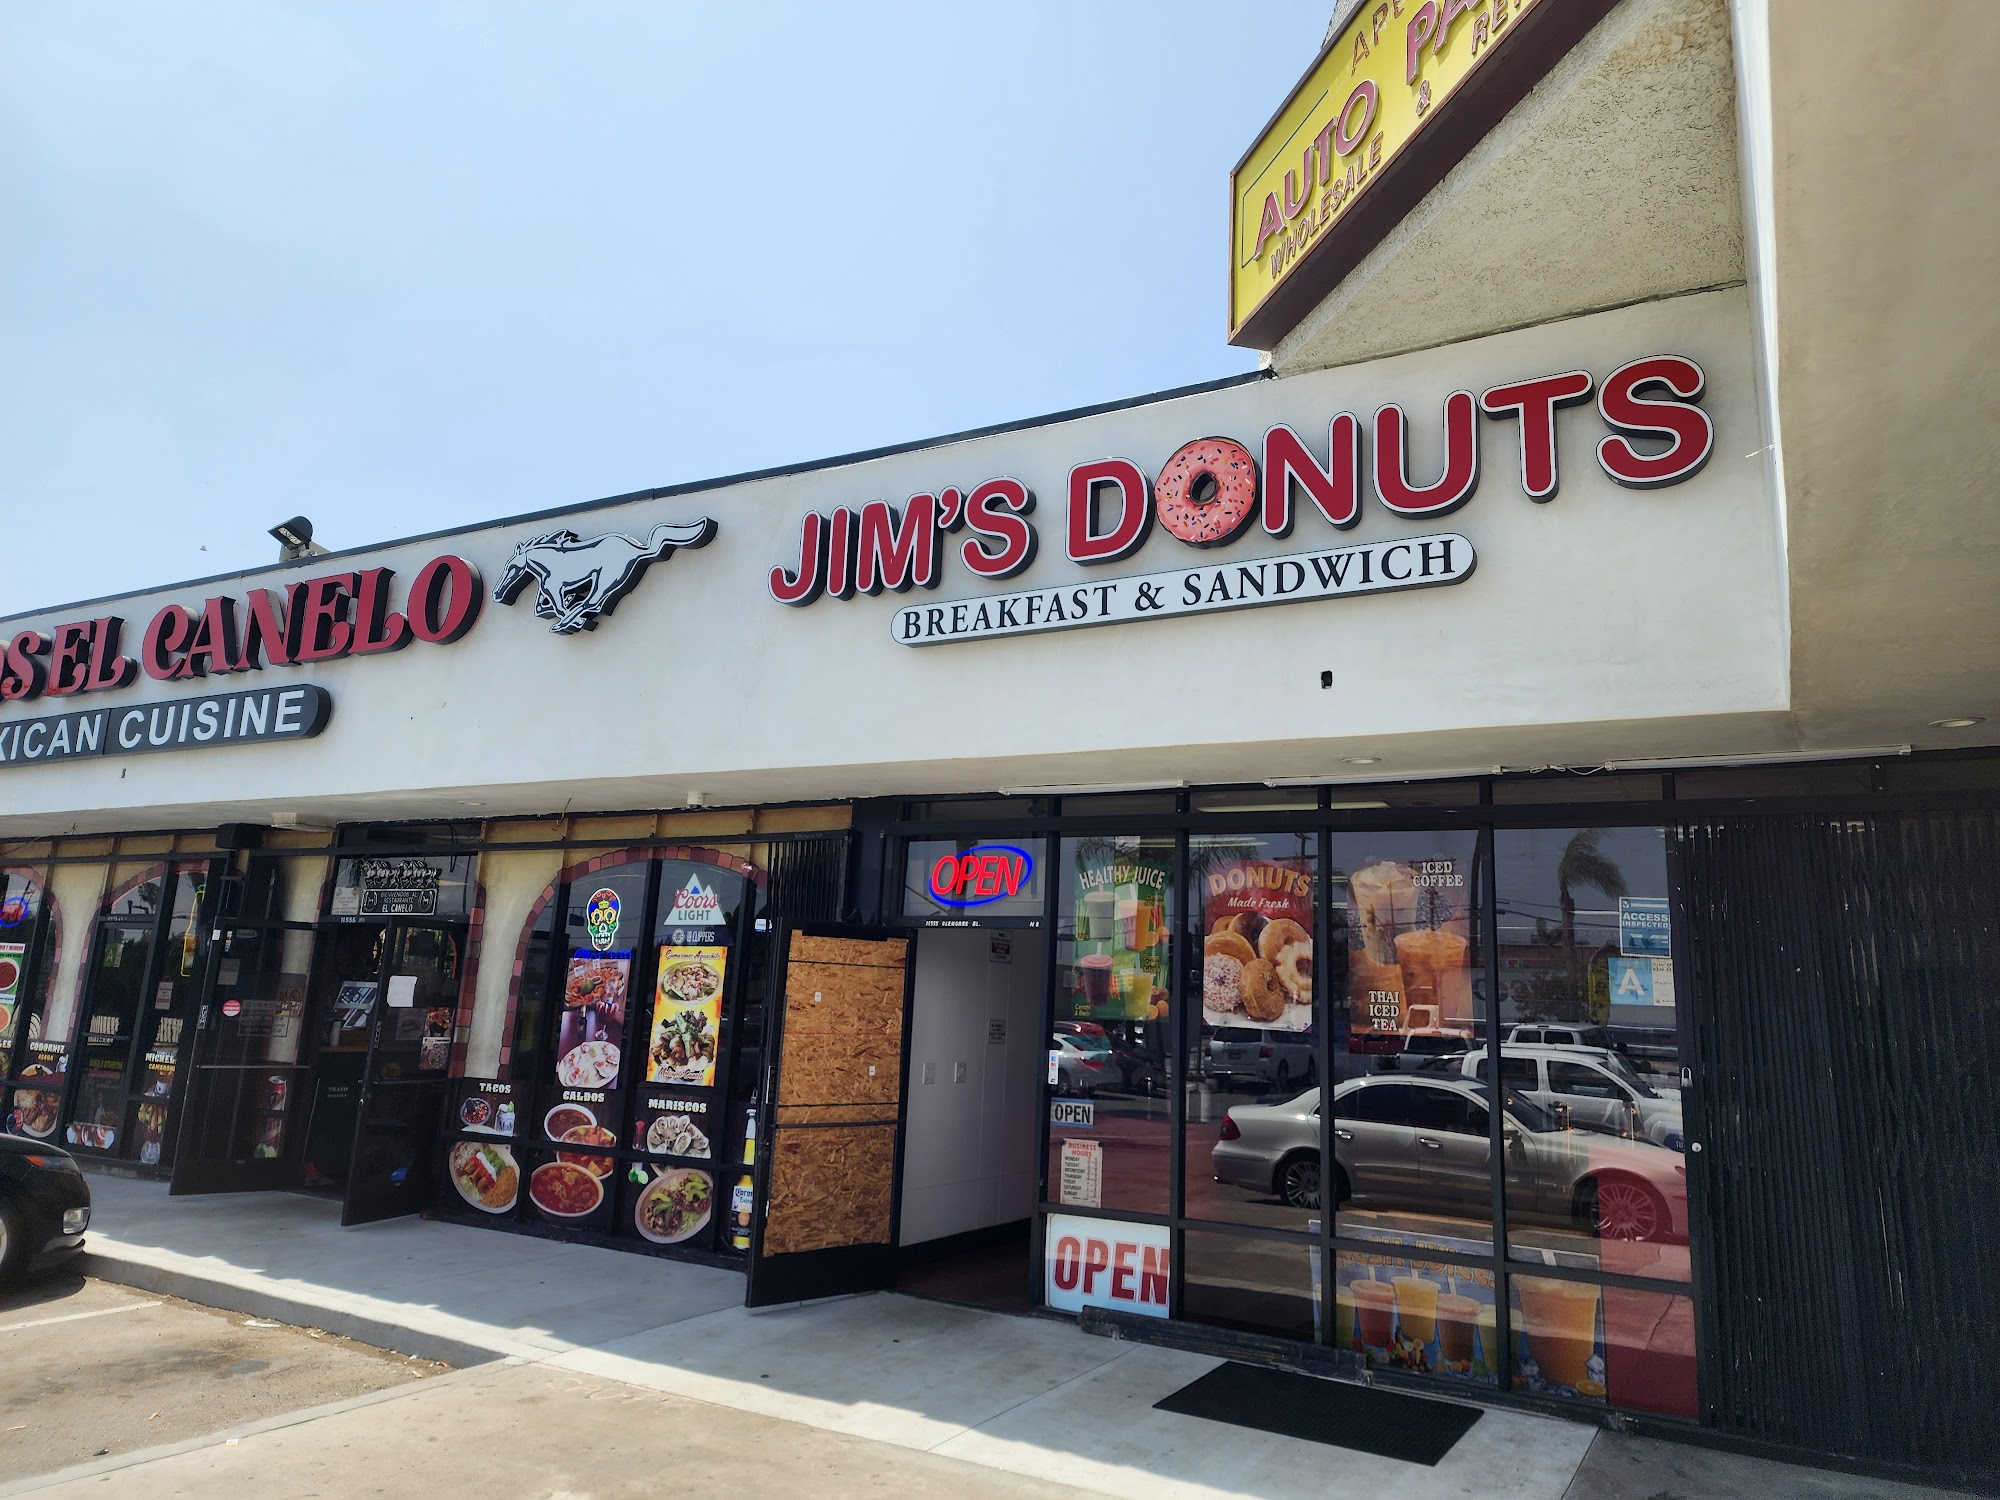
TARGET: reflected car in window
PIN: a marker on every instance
(1083, 1063)
(1592, 1089)
(1414, 1141)
(1260, 1055)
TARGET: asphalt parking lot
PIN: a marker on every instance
(89, 1371)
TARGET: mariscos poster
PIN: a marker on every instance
(1409, 947)
(1257, 948)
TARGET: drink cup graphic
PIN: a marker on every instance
(1096, 972)
(1435, 976)
(1560, 1321)
(1457, 1318)
(1416, 1307)
(1343, 1317)
(1374, 1312)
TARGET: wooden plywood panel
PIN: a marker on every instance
(866, 952)
(830, 1188)
(886, 1113)
(823, 1068)
(836, 997)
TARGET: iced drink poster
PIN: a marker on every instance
(1409, 948)
(687, 1014)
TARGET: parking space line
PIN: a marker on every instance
(102, 1312)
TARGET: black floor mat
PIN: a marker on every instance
(1384, 1423)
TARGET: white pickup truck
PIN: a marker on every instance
(1595, 1086)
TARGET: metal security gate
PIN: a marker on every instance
(1845, 980)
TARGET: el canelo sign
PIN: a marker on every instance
(1213, 490)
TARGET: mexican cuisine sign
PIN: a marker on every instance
(1405, 90)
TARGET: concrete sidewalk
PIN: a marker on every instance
(1027, 1396)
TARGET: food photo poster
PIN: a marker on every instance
(687, 1015)
(1257, 943)
(593, 1020)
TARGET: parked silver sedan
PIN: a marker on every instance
(1416, 1141)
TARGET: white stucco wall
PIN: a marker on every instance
(1610, 622)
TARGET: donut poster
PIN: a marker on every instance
(1257, 944)
(1409, 947)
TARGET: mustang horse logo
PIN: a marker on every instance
(579, 580)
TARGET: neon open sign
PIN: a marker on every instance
(991, 872)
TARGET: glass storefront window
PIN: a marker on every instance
(21, 901)
(1595, 1177)
(1411, 1143)
(1257, 1285)
(370, 887)
(1252, 1126)
(1111, 1047)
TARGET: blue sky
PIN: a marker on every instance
(404, 266)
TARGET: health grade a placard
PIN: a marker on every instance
(687, 1012)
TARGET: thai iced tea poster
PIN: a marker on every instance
(687, 1016)
(1409, 942)
(1257, 943)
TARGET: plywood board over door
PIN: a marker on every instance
(837, 1095)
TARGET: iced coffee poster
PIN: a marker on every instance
(687, 1014)
(1257, 939)
(1123, 927)
(1409, 962)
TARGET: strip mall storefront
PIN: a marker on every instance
(1330, 865)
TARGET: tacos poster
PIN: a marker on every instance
(687, 1014)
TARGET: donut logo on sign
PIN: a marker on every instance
(980, 876)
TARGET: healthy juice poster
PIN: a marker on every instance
(1121, 936)
(687, 1014)
(1257, 947)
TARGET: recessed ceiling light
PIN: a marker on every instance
(1362, 760)
(470, 803)
(1956, 723)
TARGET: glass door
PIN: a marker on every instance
(248, 1092)
(120, 974)
(413, 1010)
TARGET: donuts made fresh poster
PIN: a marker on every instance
(1257, 939)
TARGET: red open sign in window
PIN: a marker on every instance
(988, 873)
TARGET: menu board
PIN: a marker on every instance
(1409, 948)
(1122, 937)
(587, 1054)
(1257, 948)
(687, 1016)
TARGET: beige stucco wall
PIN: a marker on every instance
(1613, 182)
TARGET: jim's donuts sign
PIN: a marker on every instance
(1213, 490)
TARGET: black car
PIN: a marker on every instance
(44, 1206)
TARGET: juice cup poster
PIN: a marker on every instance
(687, 1015)
(1257, 944)
(1122, 936)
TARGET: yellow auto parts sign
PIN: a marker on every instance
(1385, 93)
